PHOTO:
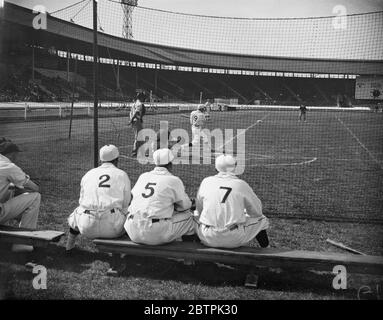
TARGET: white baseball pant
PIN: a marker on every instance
(93, 224)
(197, 134)
(145, 231)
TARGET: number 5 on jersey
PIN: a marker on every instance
(150, 190)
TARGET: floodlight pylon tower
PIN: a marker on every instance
(128, 7)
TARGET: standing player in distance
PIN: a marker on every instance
(230, 212)
(160, 209)
(197, 121)
(104, 200)
(302, 112)
(19, 195)
(137, 113)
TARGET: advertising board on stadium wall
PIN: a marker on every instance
(369, 88)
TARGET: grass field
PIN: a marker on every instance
(317, 179)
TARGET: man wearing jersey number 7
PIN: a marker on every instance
(160, 210)
(230, 213)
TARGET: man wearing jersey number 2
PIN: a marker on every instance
(104, 200)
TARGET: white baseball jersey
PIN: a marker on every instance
(157, 194)
(104, 188)
(222, 200)
(197, 119)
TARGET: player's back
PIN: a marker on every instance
(104, 188)
(224, 199)
(155, 194)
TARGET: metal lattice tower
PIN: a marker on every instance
(127, 7)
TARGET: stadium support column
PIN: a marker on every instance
(118, 75)
(95, 85)
(67, 65)
(155, 80)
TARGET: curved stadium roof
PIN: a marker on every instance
(366, 60)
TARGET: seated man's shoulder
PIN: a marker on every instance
(209, 179)
(11, 165)
(120, 172)
(174, 179)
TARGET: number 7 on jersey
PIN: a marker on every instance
(228, 190)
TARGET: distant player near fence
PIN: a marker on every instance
(302, 112)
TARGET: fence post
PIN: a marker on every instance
(25, 111)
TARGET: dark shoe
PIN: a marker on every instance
(191, 238)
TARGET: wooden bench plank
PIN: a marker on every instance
(37, 238)
(269, 257)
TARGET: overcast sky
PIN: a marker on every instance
(238, 8)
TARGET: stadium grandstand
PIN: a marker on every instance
(281, 72)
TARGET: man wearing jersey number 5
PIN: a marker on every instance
(104, 200)
(160, 210)
(230, 212)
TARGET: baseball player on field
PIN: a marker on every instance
(137, 113)
(104, 200)
(230, 213)
(160, 209)
(19, 195)
(197, 121)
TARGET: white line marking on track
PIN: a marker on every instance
(249, 127)
(285, 164)
(361, 144)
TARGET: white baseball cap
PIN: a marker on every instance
(225, 163)
(109, 152)
(201, 107)
(162, 157)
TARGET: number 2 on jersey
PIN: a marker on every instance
(228, 190)
(105, 178)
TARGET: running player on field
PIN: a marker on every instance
(197, 121)
(230, 212)
(104, 200)
(160, 209)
